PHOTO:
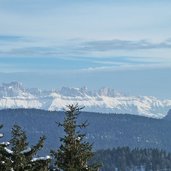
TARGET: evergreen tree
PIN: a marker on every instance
(5, 161)
(22, 156)
(74, 152)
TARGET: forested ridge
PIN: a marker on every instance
(126, 159)
(104, 130)
(75, 151)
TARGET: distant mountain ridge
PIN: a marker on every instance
(105, 100)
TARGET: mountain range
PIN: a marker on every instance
(105, 100)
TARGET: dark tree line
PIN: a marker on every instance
(126, 159)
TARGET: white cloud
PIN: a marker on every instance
(125, 67)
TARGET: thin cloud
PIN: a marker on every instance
(78, 48)
(109, 45)
(96, 55)
(11, 38)
(124, 67)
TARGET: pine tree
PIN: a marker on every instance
(23, 155)
(5, 161)
(74, 152)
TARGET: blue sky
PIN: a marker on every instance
(122, 44)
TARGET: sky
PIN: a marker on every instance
(120, 44)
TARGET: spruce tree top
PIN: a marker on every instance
(74, 152)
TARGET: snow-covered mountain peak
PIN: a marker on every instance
(75, 92)
(13, 89)
(105, 91)
(13, 85)
(104, 100)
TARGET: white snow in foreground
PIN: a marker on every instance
(1, 135)
(26, 150)
(41, 158)
(8, 150)
(5, 143)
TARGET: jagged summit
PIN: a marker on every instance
(73, 92)
(12, 89)
(104, 100)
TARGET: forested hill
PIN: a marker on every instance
(126, 159)
(104, 130)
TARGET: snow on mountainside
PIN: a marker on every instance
(105, 100)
